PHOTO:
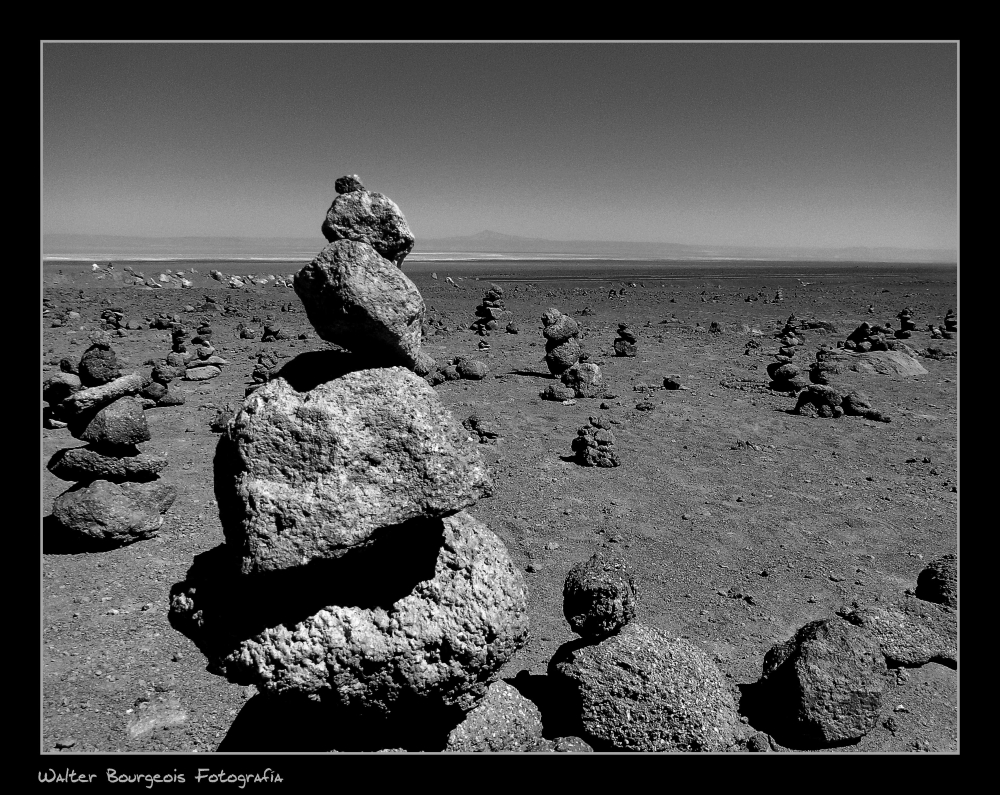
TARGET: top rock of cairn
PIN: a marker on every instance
(372, 218)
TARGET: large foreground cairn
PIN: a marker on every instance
(562, 348)
(371, 218)
(351, 573)
(489, 312)
(625, 343)
(633, 687)
(117, 498)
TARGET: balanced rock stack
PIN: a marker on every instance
(562, 348)
(625, 343)
(113, 320)
(351, 573)
(868, 337)
(489, 312)
(634, 687)
(950, 324)
(779, 296)
(165, 371)
(594, 445)
(116, 499)
(906, 324)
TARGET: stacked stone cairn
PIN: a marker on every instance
(950, 324)
(489, 312)
(562, 346)
(113, 319)
(594, 445)
(786, 376)
(826, 685)
(868, 337)
(351, 574)
(625, 342)
(634, 687)
(116, 498)
(202, 363)
(906, 324)
(779, 296)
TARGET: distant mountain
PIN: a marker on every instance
(487, 242)
(492, 242)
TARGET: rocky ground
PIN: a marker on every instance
(744, 521)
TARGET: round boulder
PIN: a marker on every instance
(599, 596)
(370, 218)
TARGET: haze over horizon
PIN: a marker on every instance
(748, 145)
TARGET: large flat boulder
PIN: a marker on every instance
(113, 512)
(307, 475)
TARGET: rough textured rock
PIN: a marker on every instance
(306, 475)
(89, 399)
(118, 424)
(444, 641)
(910, 631)
(85, 464)
(503, 721)
(114, 512)
(557, 392)
(939, 581)
(594, 445)
(641, 690)
(165, 373)
(561, 329)
(585, 379)
(202, 373)
(60, 386)
(370, 218)
(819, 400)
(599, 596)
(98, 366)
(561, 357)
(829, 679)
(348, 184)
(471, 369)
(856, 404)
(357, 299)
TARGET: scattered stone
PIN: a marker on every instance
(939, 581)
(203, 373)
(562, 348)
(827, 679)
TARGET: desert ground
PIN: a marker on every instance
(745, 521)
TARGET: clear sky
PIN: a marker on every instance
(827, 145)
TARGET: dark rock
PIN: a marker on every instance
(599, 596)
(939, 581)
(113, 512)
(98, 366)
(119, 424)
(348, 184)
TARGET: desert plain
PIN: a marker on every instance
(744, 520)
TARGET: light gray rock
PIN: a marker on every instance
(312, 474)
(357, 299)
(202, 373)
(370, 218)
(60, 386)
(113, 512)
(585, 379)
(89, 399)
(445, 641)
(503, 721)
(910, 631)
(641, 690)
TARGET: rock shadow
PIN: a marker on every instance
(308, 370)
(229, 607)
(57, 539)
(534, 374)
(292, 723)
(768, 705)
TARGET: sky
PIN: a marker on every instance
(756, 144)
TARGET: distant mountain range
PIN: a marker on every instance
(486, 242)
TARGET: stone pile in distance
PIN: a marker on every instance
(579, 377)
(489, 312)
(117, 498)
(351, 573)
(625, 343)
